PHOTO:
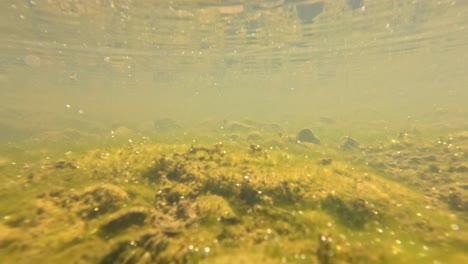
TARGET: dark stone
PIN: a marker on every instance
(433, 168)
(323, 249)
(325, 162)
(306, 135)
(461, 169)
(249, 195)
(455, 201)
(308, 11)
(355, 4)
(230, 220)
(64, 165)
(349, 144)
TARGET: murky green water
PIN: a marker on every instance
(273, 131)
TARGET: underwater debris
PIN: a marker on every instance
(306, 135)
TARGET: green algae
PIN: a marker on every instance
(157, 202)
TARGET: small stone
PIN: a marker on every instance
(325, 162)
(349, 144)
(306, 135)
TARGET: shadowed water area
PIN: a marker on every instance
(205, 131)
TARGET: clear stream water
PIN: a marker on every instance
(75, 75)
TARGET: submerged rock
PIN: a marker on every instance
(306, 135)
(165, 124)
(324, 248)
(151, 247)
(64, 165)
(308, 11)
(98, 200)
(123, 220)
(216, 208)
(355, 4)
(355, 213)
(349, 143)
(236, 126)
(325, 162)
(254, 136)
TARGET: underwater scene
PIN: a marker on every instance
(233, 131)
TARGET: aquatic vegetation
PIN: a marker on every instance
(147, 202)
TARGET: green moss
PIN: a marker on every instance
(277, 201)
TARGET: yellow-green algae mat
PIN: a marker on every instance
(403, 201)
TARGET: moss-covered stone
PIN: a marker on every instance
(122, 220)
(100, 199)
(216, 208)
(354, 213)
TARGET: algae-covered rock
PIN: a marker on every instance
(64, 165)
(121, 132)
(221, 185)
(257, 151)
(164, 124)
(249, 195)
(187, 211)
(149, 248)
(176, 192)
(285, 192)
(349, 144)
(324, 249)
(123, 220)
(237, 126)
(325, 161)
(355, 213)
(456, 202)
(214, 207)
(254, 136)
(306, 135)
(101, 199)
(173, 168)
